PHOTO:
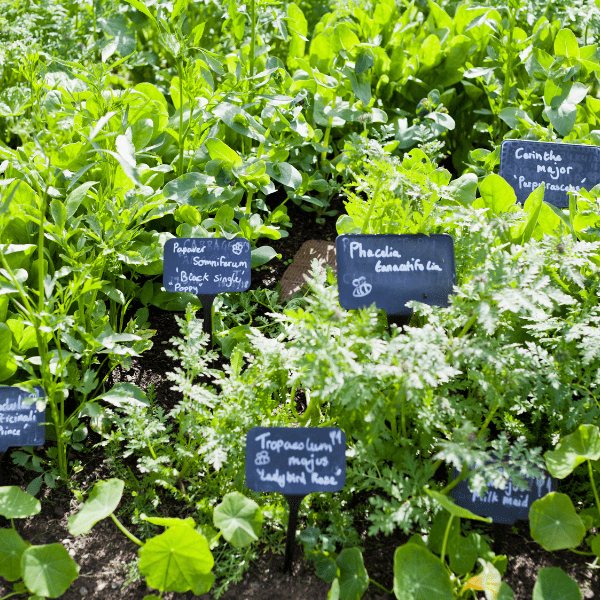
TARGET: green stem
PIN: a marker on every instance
(455, 482)
(371, 206)
(467, 326)
(249, 202)
(446, 534)
(589, 462)
(581, 552)
(252, 36)
(180, 72)
(127, 533)
(390, 592)
(487, 421)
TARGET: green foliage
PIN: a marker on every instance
(45, 571)
(554, 522)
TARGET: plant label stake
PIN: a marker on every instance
(21, 423)
(390, 270)
(206, 267)
(507, 505)
(295, 462)
(562, 167)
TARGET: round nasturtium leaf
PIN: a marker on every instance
(581, 445)
(554, 584)
(17, 504)
(239, 519)
(48, 570)
(420, 575)
(12, 546)
(463, 555)
(176, 560)
(103, 500)
(354, 580)
(554, 524)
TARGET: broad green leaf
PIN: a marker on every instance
(438, 531)
(326, 569)
(8, 366)
(365, 60)
(125, 393)
(262, 255)
(344, 38)
(420, 575)
(462, 554)
(12, 546)
(75, 198)
(102, 501)
(142, 8)
(6, 338)
(239, 519)
(16, 504)
(505, 593)
(565, 44)
(430, 51)
(241, 121)
(449, 504)
(562, 118)
(353, 577)
(533, 208)
(497, 194)
(177, 560)
(334, 592)
(554, 524)
(219, 150)
(181, 189)
(554, 584)
(224, 215)
(512, 115)
(287, 174)
(463, 189)
(48, 570)
(548, 220)
(581, 445)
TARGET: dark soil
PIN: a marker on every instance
(106, 557)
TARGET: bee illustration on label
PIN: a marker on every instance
(361, 287)
(262, 458)
(237, 248)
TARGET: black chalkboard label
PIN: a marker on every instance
(563, 167)
(206, 266)
(20, 422)
(507, 505)
(391, 270)
(295, 461)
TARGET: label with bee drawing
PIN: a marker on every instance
(206, 266)
(390, 270)
(296, 460)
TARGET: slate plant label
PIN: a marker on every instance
(295, 461)
(206, 266)
(390, 270)
(507, 505)
(563, 168)
(20, 422)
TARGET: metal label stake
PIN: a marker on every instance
(295, 461)
(294, 504)
(207, 305)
